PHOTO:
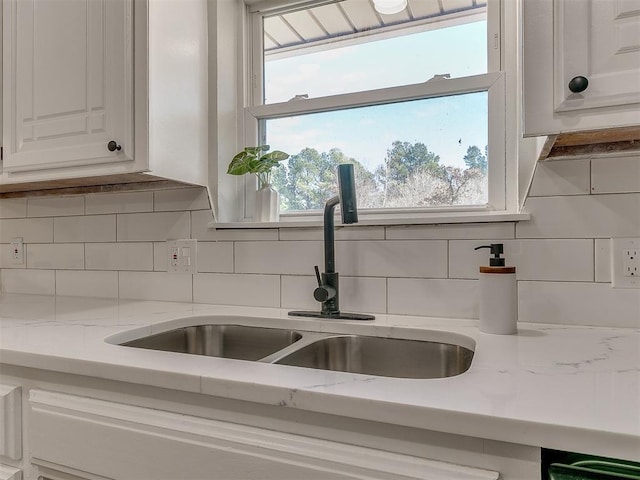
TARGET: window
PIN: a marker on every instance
(416, 100)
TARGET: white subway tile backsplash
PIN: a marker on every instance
(341, 233)
(453, 232)
(55, 206)
(181, 199)
(30, 281)
(119, 256)
(13, 207)
(95, 228)
(149, 227)
(615, 174)
(86, 283)
(357, 294)
(6, 257)
(160, 256)
(215, 257)
(583, 216)
(433, 297)
(155, 286)
(54, 256)
(127, 202)
(561, 177)
(32, 230)
(113, 245)
(571, 303)
(392, 258)
(559, 260)
(302, 234)
(230, 289)
(200, 220)
(603, 260)
(289, 258)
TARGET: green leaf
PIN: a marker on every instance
(249, 161)
(257, 150)
(239, 164)
(275, 156)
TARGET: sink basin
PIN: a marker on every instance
(386, 357)
(228, 341)
(437, 357)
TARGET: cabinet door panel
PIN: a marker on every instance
(70, 82)
(599, 40)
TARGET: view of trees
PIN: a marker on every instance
(410, 176)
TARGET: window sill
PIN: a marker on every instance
(382, 220)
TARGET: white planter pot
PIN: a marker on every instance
(267, 205)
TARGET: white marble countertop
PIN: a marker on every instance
(564, 387)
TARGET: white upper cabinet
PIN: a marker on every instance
(97, 88)
(581, 65)
(69, 82)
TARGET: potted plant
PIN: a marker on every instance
(256, 160)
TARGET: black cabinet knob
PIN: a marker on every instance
(112, 146)
(578, 84)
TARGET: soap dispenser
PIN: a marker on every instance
(498, 294)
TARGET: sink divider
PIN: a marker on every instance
(307, 339)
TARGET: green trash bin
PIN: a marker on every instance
(585, 467)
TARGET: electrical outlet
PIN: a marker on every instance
(182, 256)
(625, 262)
(17, 251)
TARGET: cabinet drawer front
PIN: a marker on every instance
(124, 441)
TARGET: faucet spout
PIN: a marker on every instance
(329, 237)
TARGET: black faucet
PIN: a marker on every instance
(328, 289)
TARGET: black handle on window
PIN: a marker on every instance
(578, 84)
(112, 146)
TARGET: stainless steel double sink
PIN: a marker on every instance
(369, 355)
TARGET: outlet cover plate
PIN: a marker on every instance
(622, 260)
(182, 256)
(17, 251)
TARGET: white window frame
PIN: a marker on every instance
(502, 168)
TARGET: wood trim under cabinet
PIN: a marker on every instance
(79, 186)
(592, 142)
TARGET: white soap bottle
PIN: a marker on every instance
(498, 294)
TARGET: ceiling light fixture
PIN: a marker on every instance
(389, 7)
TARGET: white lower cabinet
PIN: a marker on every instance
(103, 439)
(10, 423)
(57, 426)
(10, 430)
(9, 473)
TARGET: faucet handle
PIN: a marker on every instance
(318, 275)
(323, 292)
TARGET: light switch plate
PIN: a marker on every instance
(182, 256)
(625, 262)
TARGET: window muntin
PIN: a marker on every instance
(269, 118)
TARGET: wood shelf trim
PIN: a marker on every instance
(592, 142)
